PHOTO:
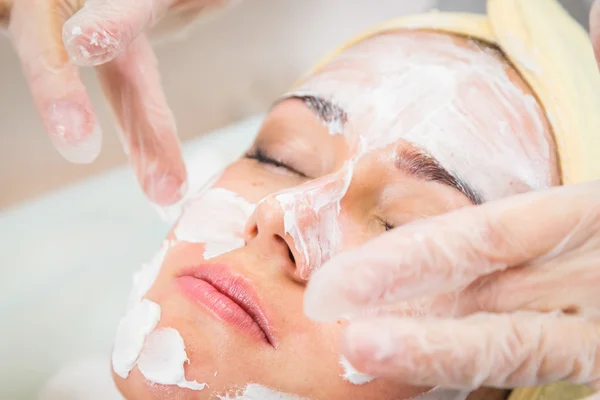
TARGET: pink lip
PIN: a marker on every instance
(228, 296)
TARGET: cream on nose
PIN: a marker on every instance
(310, 214)
(266, 232)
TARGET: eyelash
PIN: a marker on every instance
(259, 155)
(387, 225)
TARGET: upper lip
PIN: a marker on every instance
(239, 289)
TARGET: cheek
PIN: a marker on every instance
(354, 230)
(248, 181)
(331, 376)
(242, 182)
(215, 218)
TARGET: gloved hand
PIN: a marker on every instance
(508, 294)
(53, 38)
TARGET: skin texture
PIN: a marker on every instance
(379, 193)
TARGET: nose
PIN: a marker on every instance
(265, 230)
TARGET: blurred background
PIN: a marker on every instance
(227, 68)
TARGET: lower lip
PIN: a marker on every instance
(220, 306)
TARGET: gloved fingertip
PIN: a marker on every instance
(363, 347)
(341, 287)
(322, 302)
(164, 188)
(183, 189)
(74, 132)
(88, 47)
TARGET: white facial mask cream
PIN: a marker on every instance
(331, 116)
(217, 218)
(138, 322)
(445, 98)
(163, 358)
(442, 98)
(352, 375)
(311, 217)
(145, 277)
(254, 391)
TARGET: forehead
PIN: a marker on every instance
(451, 97)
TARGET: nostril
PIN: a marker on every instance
(283, 242)
(250, 231)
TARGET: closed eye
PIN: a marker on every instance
(386, 224)
(256, 153)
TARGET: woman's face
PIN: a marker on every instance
(400, 127)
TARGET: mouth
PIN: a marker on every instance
(229, 297)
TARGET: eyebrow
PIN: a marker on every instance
(410, 160)
(326, 110)
(424, 167)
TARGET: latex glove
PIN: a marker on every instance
(513, 285)
(53, 38)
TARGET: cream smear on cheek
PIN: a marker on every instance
(352, 375)
(163, 358)
(453, 101)
(216, 218)
(141, 317)
(254, 391)
(145, 277)
(159, 353)
(137, 323)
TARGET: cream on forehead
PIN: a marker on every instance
(352, 375)
(456, 103)
(215, 217)
(138, 322)
(254, 391)
(163, 358)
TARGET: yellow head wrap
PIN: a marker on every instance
(553, 54)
